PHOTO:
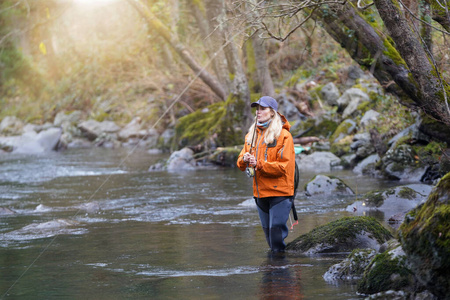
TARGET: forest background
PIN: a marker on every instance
(170, 62)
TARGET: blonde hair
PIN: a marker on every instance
(271, 133)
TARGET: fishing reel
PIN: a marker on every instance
(250, 171)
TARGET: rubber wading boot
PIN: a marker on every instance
(276, 240)
(266, 233)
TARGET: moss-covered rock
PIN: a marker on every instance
(352, 267)
(425, 237)
(387, 271)
(225, 156)
(342, 235)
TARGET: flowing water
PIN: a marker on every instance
(95, 224)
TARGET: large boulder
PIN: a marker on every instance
(330, 93)
(31, 142)
(391, 203)
(11, 125)
(319, 161)
(181, 160)
(399, 163)
(324, 185)
(425, 238)
(387, 271)
(93, 129)
(362, 145)
(350, 100)
(352, 267)
(343, 235)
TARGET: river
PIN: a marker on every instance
(95, 224)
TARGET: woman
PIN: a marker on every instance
(269, 150)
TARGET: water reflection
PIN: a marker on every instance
(281, 279)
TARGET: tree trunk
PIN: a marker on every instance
(430, 93)
(179, 48)
(406, 64)
(262, 67)
(212, 42)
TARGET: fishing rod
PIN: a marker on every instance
(250, 171)
(197, 75)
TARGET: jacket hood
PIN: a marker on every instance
(286, 124)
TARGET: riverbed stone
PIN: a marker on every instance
(343, 235)
(31, 142)
(391, 202)
(327, 185)
(352, 267)
(387, 271)
(425, 236)
(367, 165)
(181, 160)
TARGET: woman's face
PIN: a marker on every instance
(263, 114)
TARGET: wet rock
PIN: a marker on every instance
(367, 165)
(391, 202)
(225, 156)
(32, 142)
(325, 185)
(399, 163)
(387, 271)
(343, 235)
(319, 161)
(425, 236)
(181, 160)
(352, 267)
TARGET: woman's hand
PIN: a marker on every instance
(250, 159)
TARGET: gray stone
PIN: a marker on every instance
(325, 185)
(317, 161)
(330, 94)
(370, 116)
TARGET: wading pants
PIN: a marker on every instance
(274, 213)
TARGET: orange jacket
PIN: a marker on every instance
(275, 168)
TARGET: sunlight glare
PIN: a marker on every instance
(93, 2)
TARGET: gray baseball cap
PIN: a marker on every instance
(266, 101)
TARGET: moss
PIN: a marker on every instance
(375, 198)
(197, 126)
(340, 149)
(342, 128)
(407, 193)
(425, 237)
(385, 273)
(393, 54)
(339, 231)
(324, 128)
